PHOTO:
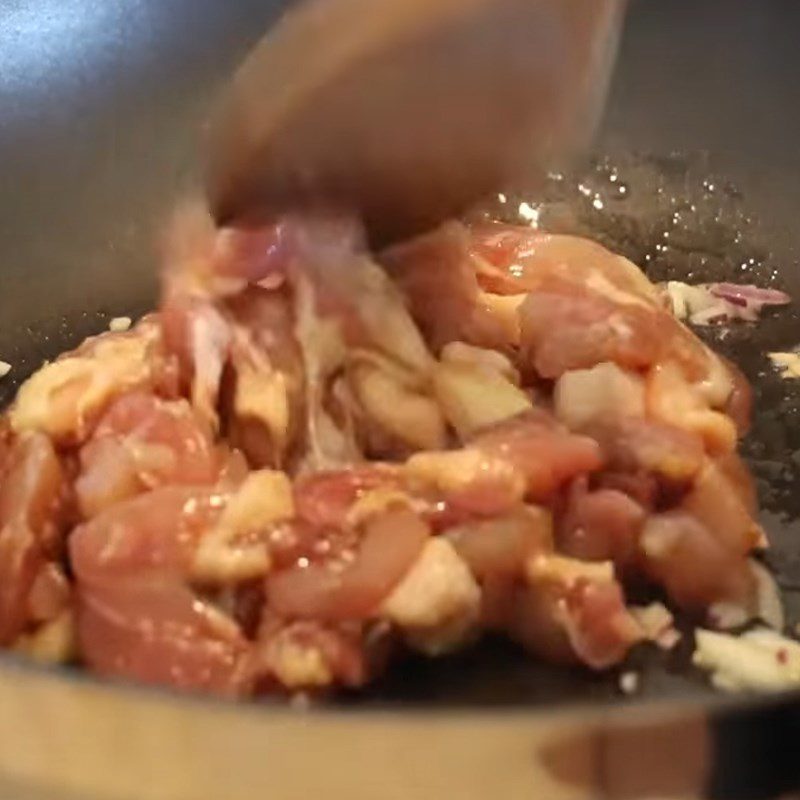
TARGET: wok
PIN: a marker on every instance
(100, 108)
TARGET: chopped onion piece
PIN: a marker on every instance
(747, 295)
(120, 324)
(437, 602)
(760, 660)
(704, 304)
(472, 398)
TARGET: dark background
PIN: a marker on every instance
(101, 104)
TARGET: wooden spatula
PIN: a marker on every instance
(408, 111)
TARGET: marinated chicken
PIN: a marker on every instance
(313, 456)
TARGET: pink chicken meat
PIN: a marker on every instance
(312, 457)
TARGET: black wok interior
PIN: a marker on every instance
(101, 105)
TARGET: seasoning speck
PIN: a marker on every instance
(5, 368)
(629, 682)
(529, 213)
